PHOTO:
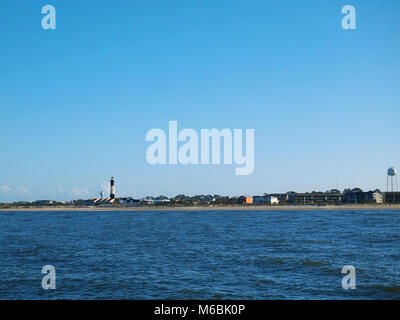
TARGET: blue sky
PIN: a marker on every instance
(76, 102)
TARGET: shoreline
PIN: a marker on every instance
(369, 207)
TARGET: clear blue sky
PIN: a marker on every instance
(76, 102)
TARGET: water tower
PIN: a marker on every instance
(392, 176)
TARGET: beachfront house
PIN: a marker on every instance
(317, 198)
(265, 199)
(358, 196)
(391, 197)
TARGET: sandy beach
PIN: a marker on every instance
(212, 208)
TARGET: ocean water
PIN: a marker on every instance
(200, 254)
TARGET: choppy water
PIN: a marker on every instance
(200, 255)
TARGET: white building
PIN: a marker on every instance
(265, 199)
(273, 200)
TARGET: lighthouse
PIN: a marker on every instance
(112, 188)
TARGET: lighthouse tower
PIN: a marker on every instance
(112, 188)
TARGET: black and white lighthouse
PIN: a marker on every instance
(112, 188)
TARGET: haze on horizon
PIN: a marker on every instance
(76, 102)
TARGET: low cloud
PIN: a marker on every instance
(105, 186)
(79, 192)
(5, 189)
(18, 190)
(23, 190)
(60, 190)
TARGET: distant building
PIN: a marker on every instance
(355, 195)
(282, 197)
(153, 201)
(244, 200)
(91, 202)
(374, 196)
(265, 199)
(358, 196)
(128, 201)
(100, 201)
(259, 199)
(249, 200)
(316, 198)
(43, 202)
(241, 200)
(273, 200)
(20, 203)
(391, 197)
